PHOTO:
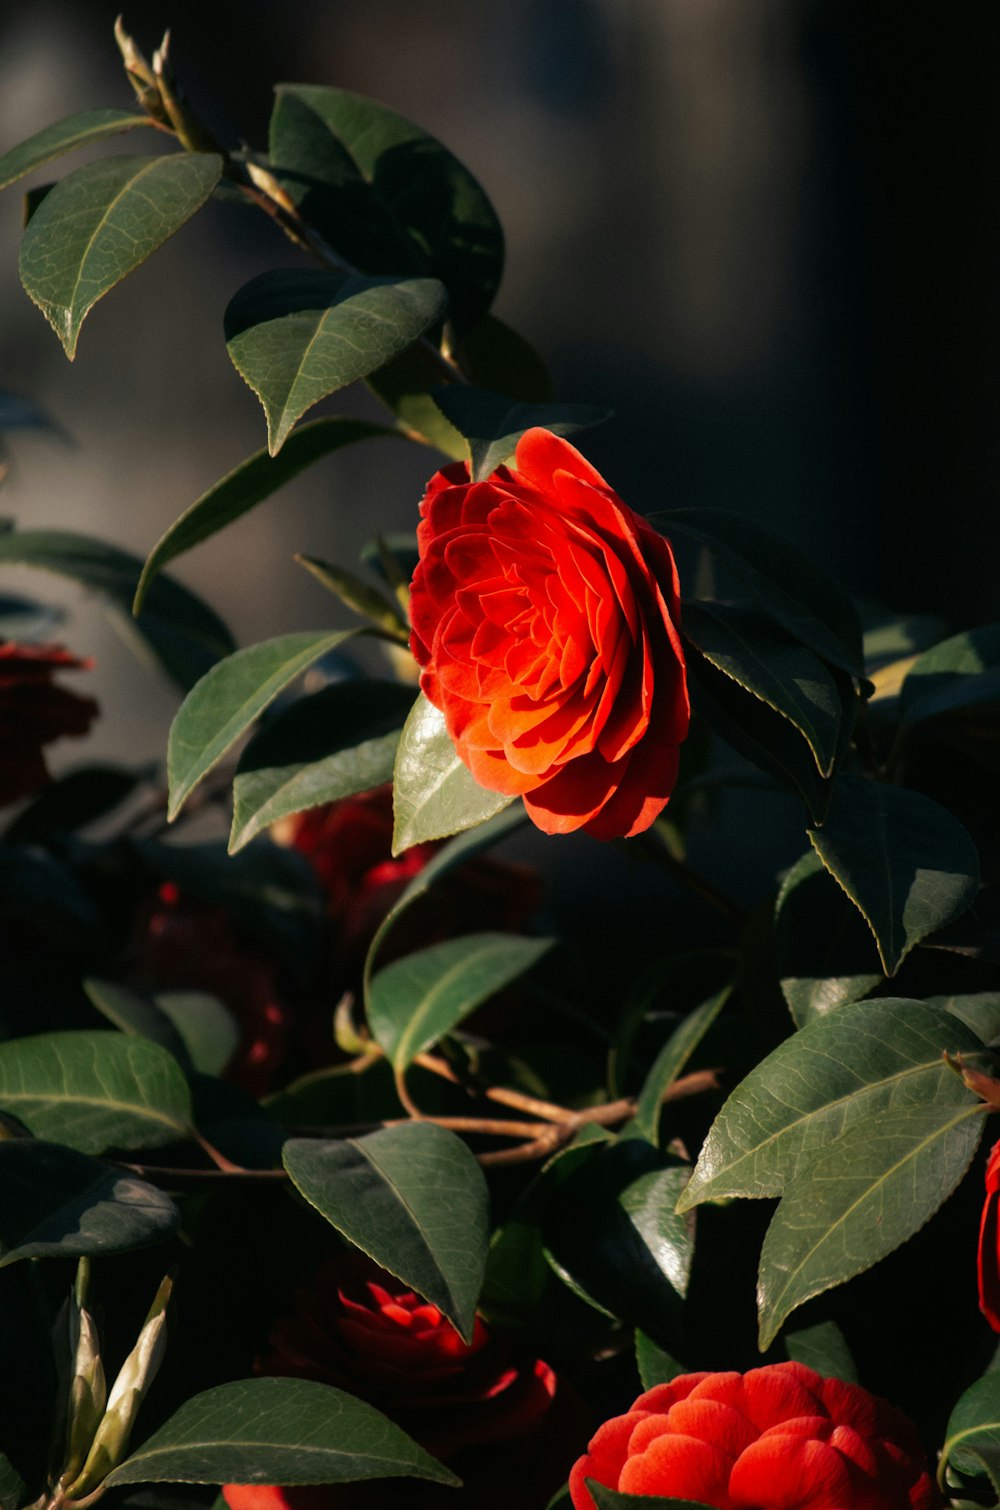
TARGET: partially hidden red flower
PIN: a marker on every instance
(461, 1401)
(989, 1244)
(34, 712)
(781, 1436)
(545, 618)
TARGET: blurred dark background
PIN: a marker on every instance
(764, 234)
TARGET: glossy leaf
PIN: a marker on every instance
(330, 745)
(359, 596)
(448, 857)
(493, 424)
(669, 1063)
(132, 1013)
(822, 1347)
(286, 1431)
(414, 1199)
(825, 952)
(780, 672)
(95, 1090)
(434, 794)
(905, 862)
(417, 999)
(405, 385)
(849, 1068)
(788, 586)
(63, 136)
(249, 484)
(230, 698)
(980, 1011)
(180, 632)
(102, 221)
(297, 336)
(388, 197)
(963, 672)
(654, 1363)
(61, 1204)
(866, 1192)
(972, 1442)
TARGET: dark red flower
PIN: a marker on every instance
(989, 1244)
(545, 617)
(781, 1436)
(34, 712)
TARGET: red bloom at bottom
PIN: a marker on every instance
(781, 1436)
(989, 1244)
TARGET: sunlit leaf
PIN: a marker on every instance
(65, 136)
(434, 794)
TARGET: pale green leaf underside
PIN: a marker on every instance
(434, 794)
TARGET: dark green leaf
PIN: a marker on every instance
(229, 698)
(33, 881)
(74, 800)
(24, 619)
(785, 584)
(284, 1431)
(60, 1204)
(785, 675)
(65, 136)
(905, 862)
(655, 1364)
(450, 855)
(612, 1499)
(821, 1346)
(839, 1071)
(329, 745)
(500, 359)
(19, 413)
(248, 484)
(416, 1000)
(669, 1063)
(388, 197)
(756, 731)
(207, 1028)
(414, 1199)
(404, 385)
(95, 1090)
(183, 634)
(826, 955)
(132, 1013)
(963, 672)
(13, 1491)
(972, 1444)
(434, 794)
(359, 596)
(980, 1011)
(102, 221)
(297, 336)
(866, 1192)
(493, 424)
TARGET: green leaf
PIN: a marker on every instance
(963, 672)
(405, 385)
(793, 681)
(906, 863)
(208, 1030)
(785, 584)
(612, 1499)
(386, 195)
(866, 1192)
(74, 800)
(668, 1064)
(175, 628)
(654, 1363)
(296, 336)
(980, 1011)
(102, 221)
(248, 484)
(448, 857)
(359, 596)
(826, 956)
(132, 1013)
(501, 360)
(416, 1000)
(61, 1204)
(276, 1431)
(822, 1347)
(95, 1090)
(414, 1199)
(329, 745)
(493, 424)
(849, 1068)
(434, 794)
(229, 698)
(972, 1444)
(65, 136)
(13, 1490)
(33, 881)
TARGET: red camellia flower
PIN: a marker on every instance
(545, 618)
(33, 713)
(459, 1400)
(989, 1244)
(781, 1436)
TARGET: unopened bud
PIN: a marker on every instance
(984, 1085)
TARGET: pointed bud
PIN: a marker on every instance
(139, 74)
(984, 1085)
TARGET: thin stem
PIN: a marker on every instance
(226, 1166)
(531, 1105)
